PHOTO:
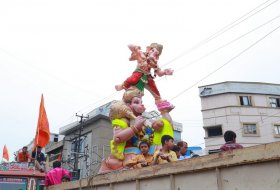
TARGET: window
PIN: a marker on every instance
(274, 102)
(55, 138)
(245, 100)
(214, 131)
(250, 129)
(75, 143)
(277, 129)
(13, 183)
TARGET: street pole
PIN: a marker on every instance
(78, 144)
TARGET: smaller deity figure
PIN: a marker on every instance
(142, 77)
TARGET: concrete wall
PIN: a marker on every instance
(256, 167)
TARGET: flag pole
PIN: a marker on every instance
(36, 149)
(37, 135)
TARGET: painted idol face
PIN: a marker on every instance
(137, 106)
(153, 53)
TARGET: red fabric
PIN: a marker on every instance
(134, 79)
(152, 85)
(23, 157)
(5, 154)
(54, 176)
(42, 137)
(230, 146)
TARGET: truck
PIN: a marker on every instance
(256, 168)
(20, 176)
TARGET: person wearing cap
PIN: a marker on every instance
(142, 77)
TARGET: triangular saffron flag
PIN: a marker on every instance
(5, 157)
(42, 137)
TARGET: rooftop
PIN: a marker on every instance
(239, 87)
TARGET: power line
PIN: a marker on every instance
(224, 45)
(221, 31)
(226, 63)
(46, 73)
(256, 42)
(228, 43)
(100, 100)
(207, 55)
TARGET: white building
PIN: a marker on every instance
(250, 109)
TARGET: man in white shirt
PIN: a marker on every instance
(183, 150)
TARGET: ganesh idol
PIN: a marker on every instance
(130, 128)
(127, 123)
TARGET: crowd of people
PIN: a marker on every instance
(169, 152)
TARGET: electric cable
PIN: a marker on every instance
(226, 63)
(221, 31)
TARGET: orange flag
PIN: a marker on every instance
(42, 137)
(5, 154)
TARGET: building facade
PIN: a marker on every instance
(86, 142)
(250, 109)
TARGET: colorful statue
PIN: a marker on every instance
(127, 122)
(130, 128)
(142, 77)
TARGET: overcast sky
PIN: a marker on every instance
(74, 52)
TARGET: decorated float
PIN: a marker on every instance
(19, 175)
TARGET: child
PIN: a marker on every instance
(142, 160)
(176, 149)
(165, 154)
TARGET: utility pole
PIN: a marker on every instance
(78, 144)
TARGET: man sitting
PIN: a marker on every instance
(39, 158)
